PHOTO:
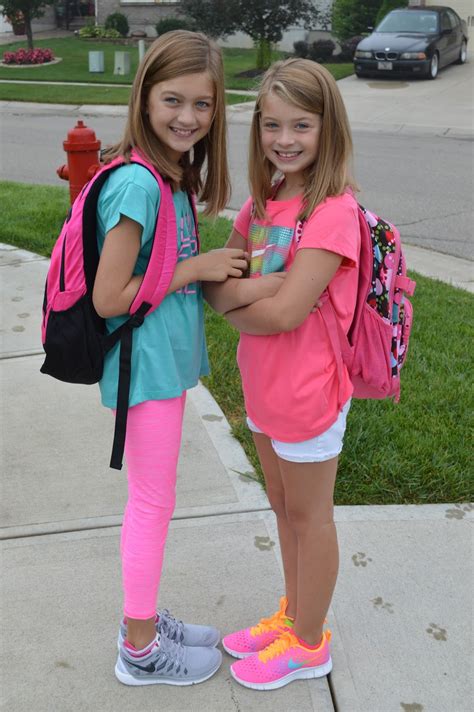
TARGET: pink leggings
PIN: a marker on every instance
(151, 452)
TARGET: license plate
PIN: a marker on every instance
(385, 65)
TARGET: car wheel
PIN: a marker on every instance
(434, 66)
(462, 53)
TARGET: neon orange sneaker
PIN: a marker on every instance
(282, 662)
(251, 640)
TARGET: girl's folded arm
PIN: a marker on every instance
(238, 292)
(308, 277)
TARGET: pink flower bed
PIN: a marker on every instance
(28, 56)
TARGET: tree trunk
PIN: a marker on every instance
(264, 53)
(29, 31)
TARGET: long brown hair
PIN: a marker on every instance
(311, 87)
(173, 55)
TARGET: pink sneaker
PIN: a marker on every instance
(282, 662)
(251, 640)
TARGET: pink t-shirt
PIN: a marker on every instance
(290, 379)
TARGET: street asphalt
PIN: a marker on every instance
(400, 617)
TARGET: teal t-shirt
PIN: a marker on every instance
(169, 350)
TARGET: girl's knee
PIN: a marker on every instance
(158, 510)
(276, 497)
(305, 519)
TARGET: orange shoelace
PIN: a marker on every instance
(277, 620)
(287, 640)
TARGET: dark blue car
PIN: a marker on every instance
(416, 41)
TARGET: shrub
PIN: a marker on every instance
(353, 17)
(387, 6)
(168, 24)
(117, 21)
(301, 49)
(348, 48)
(321, 50)
(28, 56)
(98, 32)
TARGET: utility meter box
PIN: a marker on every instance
(122, 63)
(96, 61)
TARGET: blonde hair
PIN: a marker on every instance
(311, 87)
(173, 55)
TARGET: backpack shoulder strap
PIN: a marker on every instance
(87, 200)
(163, 257)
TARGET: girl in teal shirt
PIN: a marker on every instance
(176, 121)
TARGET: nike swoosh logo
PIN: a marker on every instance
(294, 665)
(259, 253)
(149, 668)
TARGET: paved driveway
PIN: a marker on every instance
(445, 104)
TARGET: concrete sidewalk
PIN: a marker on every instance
(400, 637)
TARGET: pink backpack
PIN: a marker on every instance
(74, 336)
(376, 345)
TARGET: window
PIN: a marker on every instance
(445, 22)
(453, 18)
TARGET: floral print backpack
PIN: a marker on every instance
(376, 345)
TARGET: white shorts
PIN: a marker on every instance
(319, 449)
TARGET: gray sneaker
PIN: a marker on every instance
(167, 663)
(168, 626)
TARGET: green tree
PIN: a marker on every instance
(216, 18)
(353, 17)
(26, 9)
(263, 20)
(387, 6)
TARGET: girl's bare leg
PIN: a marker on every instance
(141, 632)
(276, 495)
(309, 490)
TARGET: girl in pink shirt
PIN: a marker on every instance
(301, 223)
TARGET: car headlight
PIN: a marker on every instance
(413, 55)
(359, 54)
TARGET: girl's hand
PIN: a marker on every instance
(267, 285)
(217, 265)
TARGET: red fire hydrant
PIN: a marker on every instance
(82, 148)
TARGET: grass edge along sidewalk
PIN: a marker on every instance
(74, 95)
(74, 68)
(414, 452)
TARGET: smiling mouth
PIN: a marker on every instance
(184, 133)
(288, 155)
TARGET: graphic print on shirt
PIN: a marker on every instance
(187, 247)
(269, 247)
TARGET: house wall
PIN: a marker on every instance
(464, 8)
(140, 15)
(293, 34)
(145, 15)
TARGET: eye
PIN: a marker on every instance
(171, 100)
(302, 125)
(203, 104)
(270, 125)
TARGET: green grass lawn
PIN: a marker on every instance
(75, 64)
(74, 67)
(416, 451)
(62, 94)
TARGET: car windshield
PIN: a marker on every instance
(409, 21)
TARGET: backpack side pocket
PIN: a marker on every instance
(371, 368)
(73, 346)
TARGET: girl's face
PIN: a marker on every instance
(181, 110)
(289, 136)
